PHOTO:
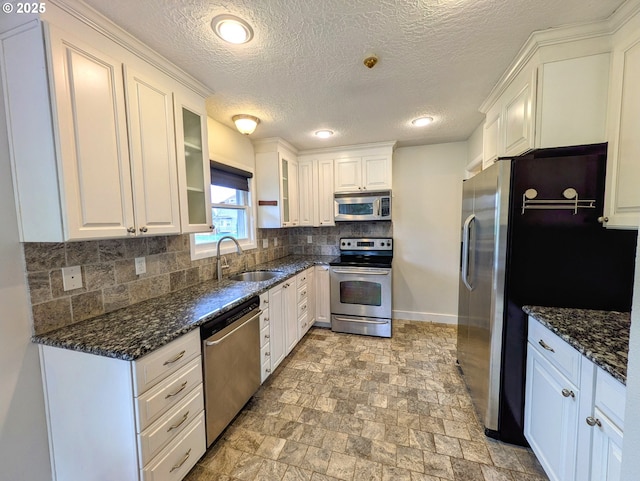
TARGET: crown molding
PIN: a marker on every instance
(106, 27)
(558, 35)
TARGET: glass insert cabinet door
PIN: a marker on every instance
(193, 167)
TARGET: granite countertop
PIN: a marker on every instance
(601, 336)
(136, 330)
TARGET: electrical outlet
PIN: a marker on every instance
(141, 265)
(265, 243)
(275, 242)
(71, 278)
(309, 239)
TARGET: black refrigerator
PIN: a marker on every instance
(531, 236)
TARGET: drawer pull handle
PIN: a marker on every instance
(546, 346)
(591, 421)
(567, 393)
(184, 384)
(177, 358)
(184, 460)
(177, 425)
(304, 293)
(267, 354)
(304, 307)
(266, 301)
(266, 319)
(267, 370)
(266, 336)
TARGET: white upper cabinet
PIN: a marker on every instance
(306, 192)
(104, 163)
(89, 113)
(325, 193)
(363, 173)
(554, 95)
(315, 190)
(153, 154)
(622, 199)
(277, 184)
(194, 172)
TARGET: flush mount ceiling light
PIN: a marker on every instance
(324, 134)
(422, 121)
(232, 29)
(245, 124)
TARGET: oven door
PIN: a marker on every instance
(361, 291)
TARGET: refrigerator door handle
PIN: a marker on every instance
(466, 238)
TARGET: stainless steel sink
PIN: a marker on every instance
(253, 276)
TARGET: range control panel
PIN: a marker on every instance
(366, 244)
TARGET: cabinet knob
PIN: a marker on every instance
(591, 421)
(567, 393)
(603, 219)
(143, 229)
(131, 230)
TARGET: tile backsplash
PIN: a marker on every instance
(109, 277)
(324, 240)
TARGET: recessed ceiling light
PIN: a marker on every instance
(232, 29)
(422, 121)
(324, 134)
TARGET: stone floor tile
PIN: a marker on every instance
(271, 447)
(475, 451)
(491, 473)
(271, 471)
(447, 445)
(341, 466)
(367, 470)
(344, 407)
(410, 458)
(390, 473)
(295, 473)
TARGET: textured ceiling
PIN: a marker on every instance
(303, 70)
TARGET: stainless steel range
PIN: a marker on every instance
(361, 287)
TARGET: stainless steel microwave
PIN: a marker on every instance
(366, 206)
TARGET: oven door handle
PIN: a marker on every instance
(213, 343)
(364, 321)
(379, 272)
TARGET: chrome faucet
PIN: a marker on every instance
(218, 263)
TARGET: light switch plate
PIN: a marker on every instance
(265, 243)
(309, 239)
(71, 278)
(141, 265)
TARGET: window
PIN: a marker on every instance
(232, 212)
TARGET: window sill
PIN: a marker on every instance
(204, 251)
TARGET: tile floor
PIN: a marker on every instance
(346, 407)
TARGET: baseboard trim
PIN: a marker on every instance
(426, 317)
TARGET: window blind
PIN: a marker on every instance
(226, 176)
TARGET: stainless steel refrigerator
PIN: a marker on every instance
(526, 239)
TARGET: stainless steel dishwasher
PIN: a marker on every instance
(231, 364)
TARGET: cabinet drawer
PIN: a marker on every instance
(157, 365)
(303, 325)
(152, 404)
(303, 307)
(264, 319)
(177, 459)
(302, 278)
(160, 433)
(265, 354)
(610, 397)
(265, 371)
(303, 292)
(564, 357)
(265, 336)
(264, 300)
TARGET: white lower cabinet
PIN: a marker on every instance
(265, 337)
(574, 411)
(127, 420)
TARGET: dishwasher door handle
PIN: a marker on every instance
(213, 343)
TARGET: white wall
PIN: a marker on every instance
(24, 453)
(474, 144)
(230, 146)
(427, 189)
(631, 447)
